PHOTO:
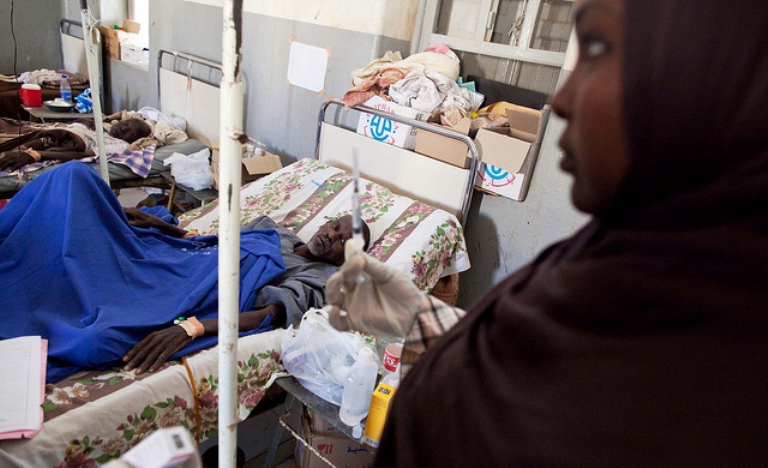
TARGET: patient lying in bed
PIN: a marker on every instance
(129, 139)
(95, 286)
(68, 142)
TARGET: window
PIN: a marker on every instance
(138, 11)
(534, 31)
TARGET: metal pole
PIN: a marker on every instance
(94, 76)
(230, 130)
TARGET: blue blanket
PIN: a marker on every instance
(75, 272)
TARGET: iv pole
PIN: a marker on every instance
(230, 130)
(94, 76)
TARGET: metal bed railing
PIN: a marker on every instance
(472, 149)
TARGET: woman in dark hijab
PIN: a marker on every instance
(642, 339)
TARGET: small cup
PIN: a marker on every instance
(392, 353)
(31, 95)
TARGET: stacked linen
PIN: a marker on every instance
(425, 81)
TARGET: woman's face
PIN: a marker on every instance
(594, 141)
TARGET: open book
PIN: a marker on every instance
(22, 386)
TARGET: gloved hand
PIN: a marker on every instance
(377, 298)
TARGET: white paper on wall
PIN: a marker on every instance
(307, 65)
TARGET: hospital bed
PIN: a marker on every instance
(415, 220)
(186, 90)
(73, 61)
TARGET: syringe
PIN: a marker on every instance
(357, 221)
(357, 217)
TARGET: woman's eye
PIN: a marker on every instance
(592, 49)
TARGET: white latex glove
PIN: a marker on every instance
(368, 296)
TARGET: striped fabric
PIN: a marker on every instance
(138, 161)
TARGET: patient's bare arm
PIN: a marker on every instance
(142, 219)
(13, 160)
(154, 350)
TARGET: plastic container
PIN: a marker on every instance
(252, 151)
(392, 378)
(358, 387)
(65, 90)
(391, 359)
(379, 407)
(31, 95)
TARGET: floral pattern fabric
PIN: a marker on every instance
(424, 242)
(93, 417)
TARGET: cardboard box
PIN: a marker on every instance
(133, 54)
(111, 38)
(498, 148)
(386, 130)
(342, 451)
(444, 148)
(131, 26)
(523, 122)
(502, 158)
(503, 151)
(110, 41)
(253, 168)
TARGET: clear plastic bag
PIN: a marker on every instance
(193, 170)
(319, 356)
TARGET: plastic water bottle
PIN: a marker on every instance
(65, 90)
(358, 387)
(392, 378)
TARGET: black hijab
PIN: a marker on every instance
(641, 340)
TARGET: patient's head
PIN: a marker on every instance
(327, 244)
(130, 130)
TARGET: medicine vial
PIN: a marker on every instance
(358, 386)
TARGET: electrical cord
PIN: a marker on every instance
(15, 48)
(15, 71)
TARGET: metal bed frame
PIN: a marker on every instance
(338, 120)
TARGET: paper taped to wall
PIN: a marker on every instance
(307, 65)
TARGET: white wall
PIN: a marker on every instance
(504, 235)
(393, 18)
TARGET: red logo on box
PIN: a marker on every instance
(326, 449)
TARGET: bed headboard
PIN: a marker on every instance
(188, 87)
(73, 47)
(403, 171)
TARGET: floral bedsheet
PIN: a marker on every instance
(93, 417)
(424, 242)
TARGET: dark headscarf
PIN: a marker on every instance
(643, 339)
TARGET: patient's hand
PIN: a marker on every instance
(139, 218)
(154, 350)
(13, 160)
(142, 219)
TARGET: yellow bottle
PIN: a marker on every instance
(377, 414)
